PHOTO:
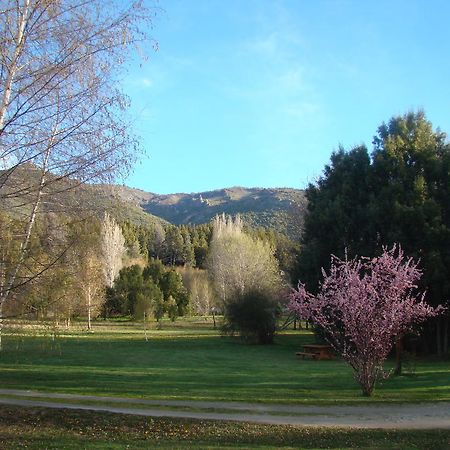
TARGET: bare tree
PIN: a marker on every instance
(61, 109)
(113, 249)
(87, 269)
(91, 283)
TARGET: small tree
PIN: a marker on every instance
(127, 286)
(146, 300)
(172, 308)
(362, 306)
(171, 284)
(91, 284)
(159, 310)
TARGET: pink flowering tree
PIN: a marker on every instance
(362, 306)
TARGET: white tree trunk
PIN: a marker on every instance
(5, 289)
(88, 295)
(19, 44)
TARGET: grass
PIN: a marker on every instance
(37, 428)
(189, 360)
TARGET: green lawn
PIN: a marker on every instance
(36, 428)
(190, 360)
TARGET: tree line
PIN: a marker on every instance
(189, 245)
(103, 268)
(234, 262)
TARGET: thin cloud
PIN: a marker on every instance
(146, 82)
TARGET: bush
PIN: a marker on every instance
(253, 316)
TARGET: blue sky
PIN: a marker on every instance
(258, 93)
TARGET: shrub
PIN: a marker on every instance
(253, 316)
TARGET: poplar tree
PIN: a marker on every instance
(112, 249)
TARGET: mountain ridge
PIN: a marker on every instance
(280, 209)
(277, 208)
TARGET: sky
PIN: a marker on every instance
(258, 93)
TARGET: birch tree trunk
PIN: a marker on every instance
(88, 295)
(9, 281)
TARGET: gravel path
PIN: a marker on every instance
(407, 416)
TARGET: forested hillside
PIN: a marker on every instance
(85, 199)
(278, 209)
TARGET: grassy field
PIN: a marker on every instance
(190, 360)
(39, 428)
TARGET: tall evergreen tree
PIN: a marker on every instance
(338, 217)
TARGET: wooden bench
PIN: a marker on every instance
(316, 351)
(320, 350)
(309, 355)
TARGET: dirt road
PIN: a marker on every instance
(388, 416)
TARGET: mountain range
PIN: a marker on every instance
(281, 209)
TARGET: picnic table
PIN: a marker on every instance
(316, 351)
